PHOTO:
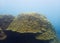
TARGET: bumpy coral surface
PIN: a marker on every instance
(33, 23)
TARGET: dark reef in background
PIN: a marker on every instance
(5, 20)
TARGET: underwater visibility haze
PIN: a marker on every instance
(48, 8)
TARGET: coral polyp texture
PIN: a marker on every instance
(33, 23)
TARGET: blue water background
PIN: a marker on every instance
(49, 8)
